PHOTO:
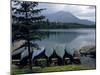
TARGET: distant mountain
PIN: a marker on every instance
(67, 17)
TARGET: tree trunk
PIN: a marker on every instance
(30, 56)
(28, 39)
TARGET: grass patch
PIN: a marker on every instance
(63, 68)
(50, 69)
(16, 70)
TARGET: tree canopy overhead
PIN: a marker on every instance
(23, 11)
(25, 16)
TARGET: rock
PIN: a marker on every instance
(88, 50)
(76, 53)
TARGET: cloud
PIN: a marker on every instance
(81, 11)
(51, 7)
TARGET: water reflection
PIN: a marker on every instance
(74, 38)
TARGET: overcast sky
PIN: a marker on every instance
(82, 12)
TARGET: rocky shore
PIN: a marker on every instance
(89, 50)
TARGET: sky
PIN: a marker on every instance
(80, 11)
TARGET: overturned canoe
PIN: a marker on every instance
(24, 54)
(60, 50)
(49, 51)
(17, 53)
(69, 50)
(37, 52)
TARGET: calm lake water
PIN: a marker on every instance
(72, 38)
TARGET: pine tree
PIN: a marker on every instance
(24, 18)
(48, 23)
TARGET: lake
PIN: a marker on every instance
(74, 39)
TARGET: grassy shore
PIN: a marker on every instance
(49, 69)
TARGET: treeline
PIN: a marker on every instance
(59, 25)
(54, 25)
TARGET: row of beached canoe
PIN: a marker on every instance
(48, 51)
